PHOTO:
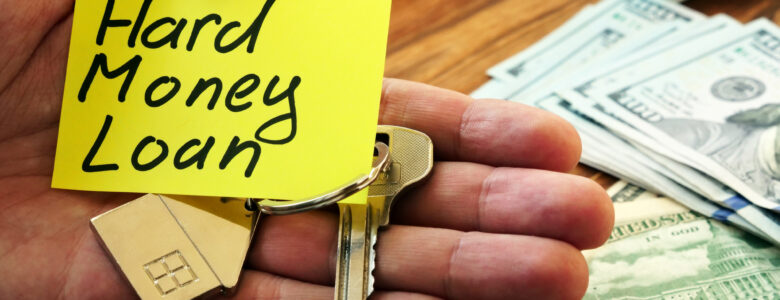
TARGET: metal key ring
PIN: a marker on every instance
(285, 207)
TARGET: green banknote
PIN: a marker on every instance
(661, 250)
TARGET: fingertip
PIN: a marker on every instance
(559, 142)
(592, 214)
(575, 143)
(572, 273)
(559, 271)
(521, 267)
(604, 214)
(399, 295)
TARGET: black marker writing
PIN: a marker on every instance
(240, 96)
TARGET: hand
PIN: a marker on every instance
(493, 220)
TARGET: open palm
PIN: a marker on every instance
(494, 220)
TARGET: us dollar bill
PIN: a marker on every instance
(717, 108)
(650, 42)
(606, 76)
(702, 184)
(611, 24)
(606, 152)
(497, 88)
(661, 250)
(587, 60)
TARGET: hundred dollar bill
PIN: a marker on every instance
(635, 49)
(661, 250)
(608, 74)
(705, 188)
(501, 89)
(605, 145)
(717, 106)
(496, 88)
(587, 60)
(612, 23)
(660, 174)
(556, 37)
(619, 158)
(718, 26)
(579, 93)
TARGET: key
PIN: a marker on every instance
(178, 247)
(411, 154)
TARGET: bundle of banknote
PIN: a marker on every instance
(675, 102)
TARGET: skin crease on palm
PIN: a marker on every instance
(495, 220)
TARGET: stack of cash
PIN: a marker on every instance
(668, 99)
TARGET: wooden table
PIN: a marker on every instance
(451, 43)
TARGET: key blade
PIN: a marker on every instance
(376, 216)
(357, 236)
(153, 252)
(220, 228)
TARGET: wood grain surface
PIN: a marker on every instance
(451, 43)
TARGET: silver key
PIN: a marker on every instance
(411, 154)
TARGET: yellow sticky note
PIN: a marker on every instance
(238, 98)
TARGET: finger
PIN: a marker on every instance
(474, 197)
(439, 262)
(260, 285)
(300, 246)
(492, 132)
(384, 295)
(476, 265)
